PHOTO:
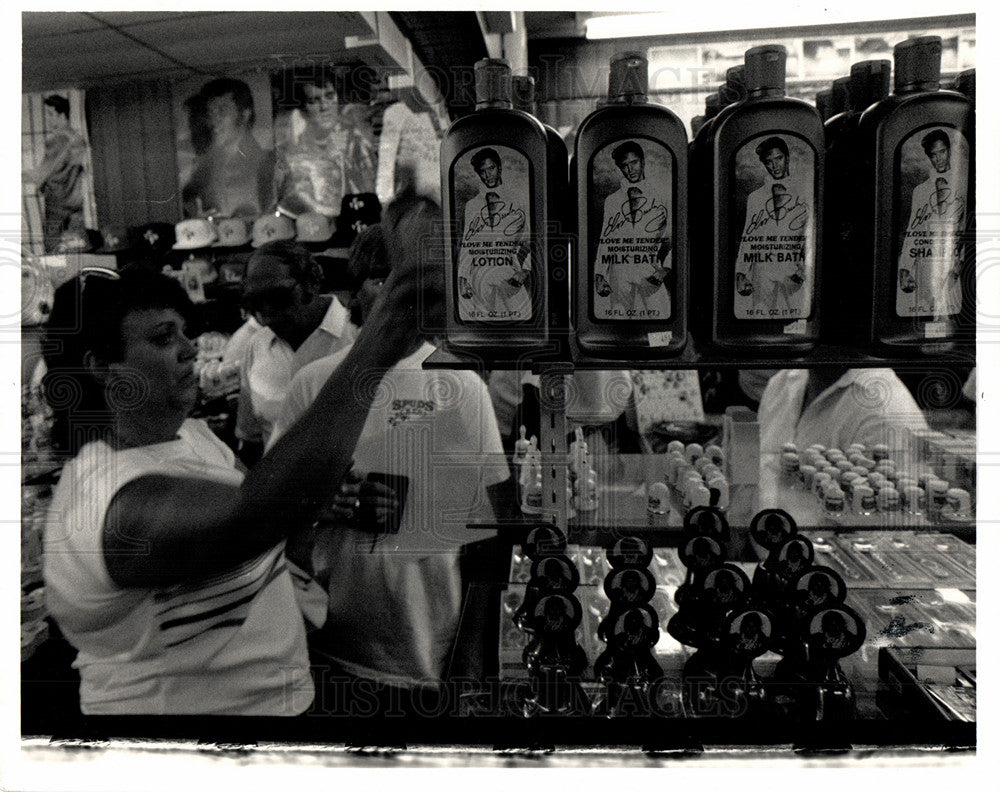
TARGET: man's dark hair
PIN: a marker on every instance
(300, 262)
(624, 149)
(932, 137)
(58, 103)
(482, 155)
(229, 86)
(771, 143)
(87, 315)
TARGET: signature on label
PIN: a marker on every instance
(640, 209)
(497, 216)
(796, 216)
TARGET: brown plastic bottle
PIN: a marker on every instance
(494, 182)
(631, 263)
(767, 214)
(560, 210)
(912, 257)
(868, 84)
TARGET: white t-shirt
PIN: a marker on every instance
(270, 363)
(868, 406)
(394, 601)
(230, 644)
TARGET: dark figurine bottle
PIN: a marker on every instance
(912, 263)
(560, 210)
(631, 263)
(767, 214)
(494, 178)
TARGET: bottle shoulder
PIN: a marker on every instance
(769, 115)
(619, 121)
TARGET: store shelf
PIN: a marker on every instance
(566, 356)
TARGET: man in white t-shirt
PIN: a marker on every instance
(282, 292)
(394, 598)
(834, 408)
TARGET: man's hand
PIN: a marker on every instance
(363, 505)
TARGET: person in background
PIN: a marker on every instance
(234, 177)
(282, 292)
(334, 155)
(164, 565)
(59, 177)
(836, 407)
(368, 264)
(430, 436)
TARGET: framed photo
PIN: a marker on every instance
(557, 613)
(630, 551)
(701, 553)
(627, 587)
(771, 528)
(748, 632)
(837, 632)
(726, 586)
(555, 573)
(635, 629)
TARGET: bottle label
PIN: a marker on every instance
(932, 181)
(774, 213)
(631, 189)
(492, 185)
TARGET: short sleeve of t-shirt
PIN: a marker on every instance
(76, 575)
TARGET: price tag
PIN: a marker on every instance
(935, 330)
(660, 339)
(798, 327)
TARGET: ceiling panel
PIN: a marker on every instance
(71, 49)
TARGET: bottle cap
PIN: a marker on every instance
(712, 103)
(493, 85)
(869, 83)
(824, 103)
(966, 83)
(918, 64)
(629, 77)
(841, 100)
(522, 88)
(765, 68)
(734, 89)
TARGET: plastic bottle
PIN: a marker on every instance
(631, 168)
(911, 262)
(494, 177)
(560, 210)
(762, 277)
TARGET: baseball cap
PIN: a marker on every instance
(114, 239)
(313, 227)
(233, 232)
(272, 227)
(194, 233)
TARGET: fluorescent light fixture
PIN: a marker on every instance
(711, 18)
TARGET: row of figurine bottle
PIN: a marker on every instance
(766, 232)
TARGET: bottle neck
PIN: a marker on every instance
(919, 87)
(629, 99)
(494, 104)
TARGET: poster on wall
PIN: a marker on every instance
(326, 148)
(57, 176)
(225, 146)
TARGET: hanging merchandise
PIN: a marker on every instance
(912, 262)
(631, 272)
(759, 271)
(495, 195)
